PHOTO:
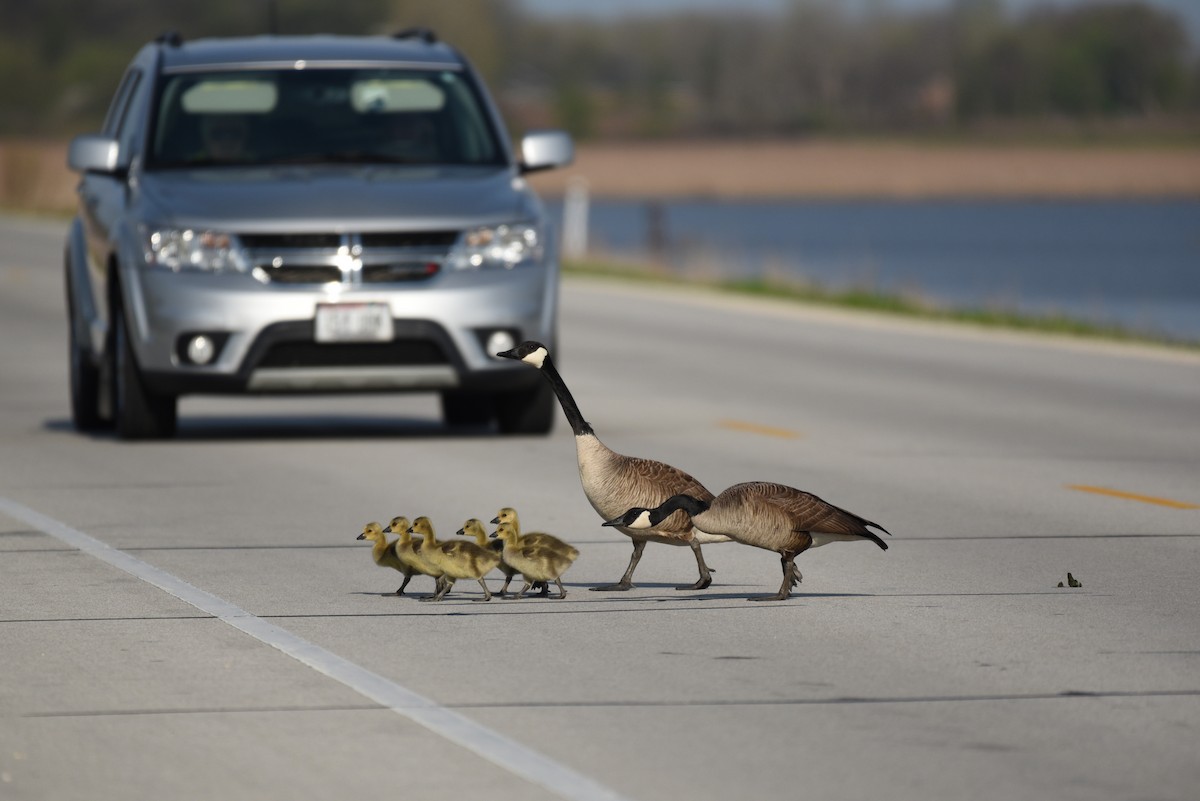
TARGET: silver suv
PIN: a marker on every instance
(307, 214)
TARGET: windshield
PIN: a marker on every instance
(321, 116)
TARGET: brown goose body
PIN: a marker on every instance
(614, 482)
(766, 515)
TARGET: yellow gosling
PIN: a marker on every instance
(536, 562)
(408, 551)
(457, 559)
(509, 515)
(474, 528)
(384, 552)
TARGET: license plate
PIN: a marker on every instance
(353, 322)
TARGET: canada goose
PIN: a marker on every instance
(456, 559)
(536, 562)
(613, 482)
(408, 551)
(771, 516)
(474, 528)
(384, 552)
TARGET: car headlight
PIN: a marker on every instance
(489, 247)
(192, 249)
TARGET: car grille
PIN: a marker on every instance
(388, 257)
(397, 353)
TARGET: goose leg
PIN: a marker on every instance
(487, 594)
(562, 591)
(626, 581)
(705, 574)
(791, 577)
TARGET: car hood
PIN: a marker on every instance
(338, 198)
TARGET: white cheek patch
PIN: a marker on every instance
(537, 358)
(642, 521)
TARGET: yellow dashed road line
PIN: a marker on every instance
(1130, 496)
(755, 428)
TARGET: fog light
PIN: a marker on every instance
(200, 349)
(498, 341)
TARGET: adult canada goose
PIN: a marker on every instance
(456, 559)
(613, 482)
(408, 551)
(536, 562)
(771, 516)
(474, 528)
(384, 552)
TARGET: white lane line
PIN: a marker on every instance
(486, 743)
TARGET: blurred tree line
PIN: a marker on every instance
(812, 68)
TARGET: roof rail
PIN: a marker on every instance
(426, 35)
(171, 38)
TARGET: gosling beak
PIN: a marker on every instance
(461, 532)
(493, 534)
(361, 537)
(495, 521)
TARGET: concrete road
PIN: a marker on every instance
(193, 619)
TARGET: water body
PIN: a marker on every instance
(1128, 262)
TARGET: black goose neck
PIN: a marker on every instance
(579, 426)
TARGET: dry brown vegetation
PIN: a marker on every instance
(33, 175)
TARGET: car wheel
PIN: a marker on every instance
(529, 411)
(466, 409)
(137, 412)
(84, 377)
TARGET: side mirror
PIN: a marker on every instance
(544, 150)
(93, 153)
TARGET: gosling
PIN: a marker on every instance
(408, 551)
(474, 528)
(536, 562)
(509, 515)
(456, 559)
(384, 552)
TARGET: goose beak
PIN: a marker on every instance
(616, 521)
(508, 354)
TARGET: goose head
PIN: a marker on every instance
(505, 515)
(399, 525)
(472, 528)
(506, 532)
(530, 352)
(422, 526)
(639, 518)
(371, 531)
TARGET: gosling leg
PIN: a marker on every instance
(562, 591)
(705, 574)
(487, 594)
(626, 581)
(524, 589)
(443, 587)
(507, 581)
(404, 584)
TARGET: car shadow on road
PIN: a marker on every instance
(224, 428)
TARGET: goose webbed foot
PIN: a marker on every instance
(620, 586)
(791, 577)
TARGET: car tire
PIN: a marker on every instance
(137, 412)
(84, 377)
(529, 411)
(466, 408)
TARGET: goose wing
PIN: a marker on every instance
(812, 514)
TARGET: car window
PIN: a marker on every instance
(321, 116)
(120, 103)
